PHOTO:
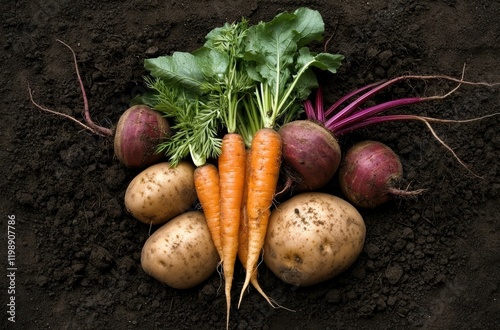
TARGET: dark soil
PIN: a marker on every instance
(431, 262)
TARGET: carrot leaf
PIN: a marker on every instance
(281, 62)
(179, 85)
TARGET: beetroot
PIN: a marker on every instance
(139, 130)
(369, 173)
(311, 155)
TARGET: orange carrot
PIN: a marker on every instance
(232, 178)
(243, 230)
(206, 181)
(243, 236)
(265, 161)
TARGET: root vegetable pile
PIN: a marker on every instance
(243, 84)
(243, 132)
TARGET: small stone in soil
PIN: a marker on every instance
(394, 273)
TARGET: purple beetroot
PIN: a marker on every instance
(137, 134)
(369, 174)
(139, 130)
(311, 155)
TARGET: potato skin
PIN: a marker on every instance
(313, 237)
(181, 253)
(161, 192)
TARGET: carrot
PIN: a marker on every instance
(243, 230)
(232, 179)
(265, 161)
(206, 182)
(243, 237)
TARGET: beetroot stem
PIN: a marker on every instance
(346, 97)
(320, 114)
(361, 100)
(389, 118)
(310, 113)
(370, 112)
(379, 87)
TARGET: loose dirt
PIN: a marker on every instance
(431, 262)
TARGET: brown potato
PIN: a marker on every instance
(161, 192)
(312, 238)
(181, 253)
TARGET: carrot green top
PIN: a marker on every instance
(243, 78)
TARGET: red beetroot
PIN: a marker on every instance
(368, 175)
(137, 135)
(139, 130)
(311, 155)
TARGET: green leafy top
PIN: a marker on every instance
(232, 86)
(242, 79)
(196, 124)
(179, 86)
(279, 60)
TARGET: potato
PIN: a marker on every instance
(313, 237)
(161, 192)
(181, 253)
